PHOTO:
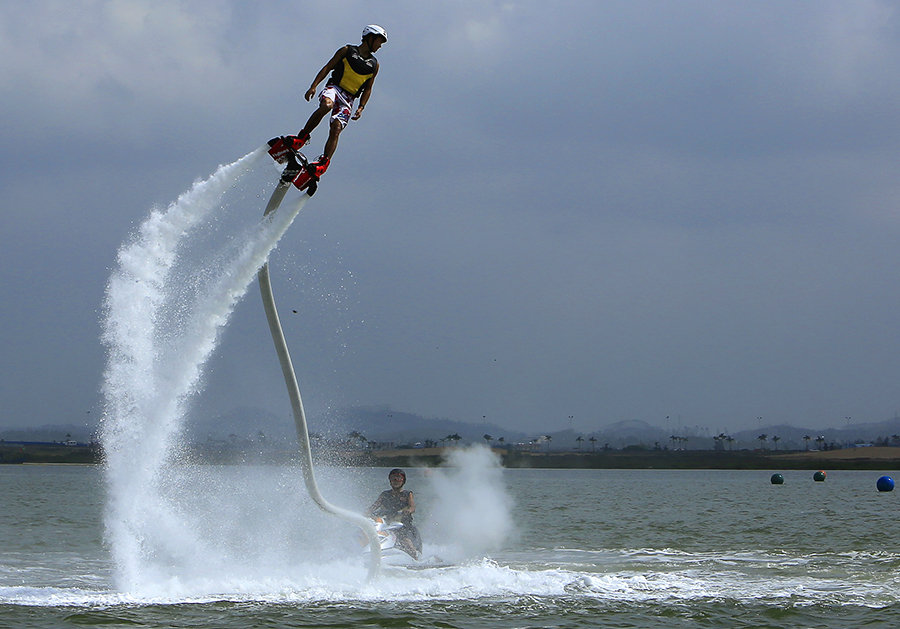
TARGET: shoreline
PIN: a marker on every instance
(869, 458)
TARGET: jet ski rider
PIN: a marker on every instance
(398, 504)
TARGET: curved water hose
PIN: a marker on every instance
(290, 379)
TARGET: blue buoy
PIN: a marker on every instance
(885, 483)
(777, 479)
(819, 476)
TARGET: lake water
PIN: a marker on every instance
(242, 546)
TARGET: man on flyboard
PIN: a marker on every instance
(353, 70)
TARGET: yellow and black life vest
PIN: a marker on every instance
(354, 72)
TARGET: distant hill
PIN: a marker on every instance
(791, 437)
(629, 432)
(386, 425)
(243, 422)
(380, 424)
(49, 433)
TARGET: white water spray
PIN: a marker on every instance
(160, 332)
(472, 512)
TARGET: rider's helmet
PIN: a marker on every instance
(374, 29)
(397, 473)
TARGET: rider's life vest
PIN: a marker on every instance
(390, 503)
(354, 71)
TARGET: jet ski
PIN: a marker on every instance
(396, 539)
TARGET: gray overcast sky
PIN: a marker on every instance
(609, 210)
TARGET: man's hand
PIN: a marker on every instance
(310, 93)
(358, 113)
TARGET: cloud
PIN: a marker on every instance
(856, 44)
(634, 207)
(120, 68)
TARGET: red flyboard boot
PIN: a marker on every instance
(312, 172)
(280, 147)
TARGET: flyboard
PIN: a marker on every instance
(298, 174)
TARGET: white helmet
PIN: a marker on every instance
(374, 29)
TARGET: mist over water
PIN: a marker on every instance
(472, 512)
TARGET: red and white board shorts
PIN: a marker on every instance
(343, 103)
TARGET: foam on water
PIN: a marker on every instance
(487, 581)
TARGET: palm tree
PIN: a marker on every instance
(762, 440)
(820, 441)
(730, 441)
(358, 438)
(488, 439)
(775, 439)
(593, 441)
(806, 439)
(578, 441)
